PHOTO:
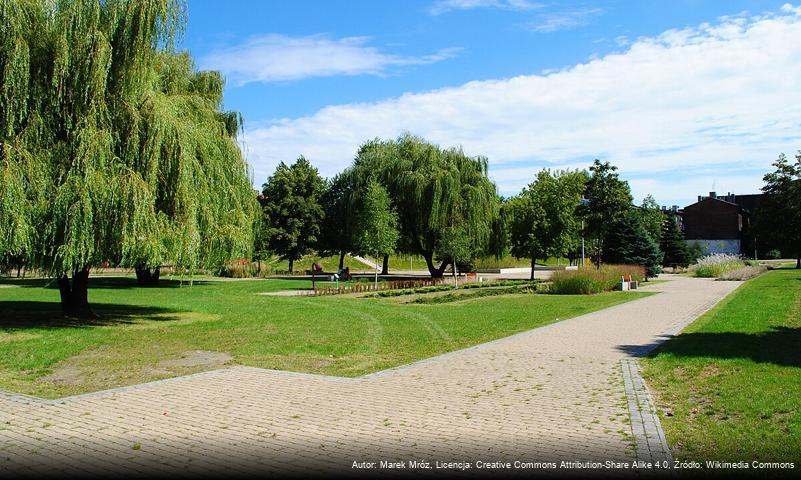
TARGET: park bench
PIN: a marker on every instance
(626, 283)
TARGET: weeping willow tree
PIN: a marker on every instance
(437, 194)
(114, 149)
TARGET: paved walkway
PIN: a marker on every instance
(553, 393)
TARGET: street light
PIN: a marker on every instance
(584, 202)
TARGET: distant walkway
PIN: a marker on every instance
(552, 393)
(368, 262)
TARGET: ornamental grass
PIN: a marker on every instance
(594, 280)
(713, 266)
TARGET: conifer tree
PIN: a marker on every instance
(674, 248)
(632, 244)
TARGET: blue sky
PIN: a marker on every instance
(682, 95)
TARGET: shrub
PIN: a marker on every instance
(263, 270)
(456, 296)
(694, 252)
(773, 255)
(712, 266)
(592, 280)
(412, 291)
(240, 268)
(464, 286)
(743, 273)
(498, 283)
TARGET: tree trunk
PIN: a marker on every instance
(430, 264)
(341, 260)
(533, 264)
(376, 275)
(146, 276)
(798, 261)
(442, 266)
(75, 295)
(432, 270)
(385, 266)
(291, 266)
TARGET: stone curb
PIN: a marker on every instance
(649, 439)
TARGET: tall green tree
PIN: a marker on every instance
(182, 124)
(113, 149)
(431, 189)
(543, 218)
(339, 207)
(779, 215)
(454, 244)
(632, 244)
(608, 201)
(375, 231)
(293, 214)
(527, 224)
(652, 217)
(674, 248)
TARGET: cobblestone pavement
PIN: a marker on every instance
(553, 393)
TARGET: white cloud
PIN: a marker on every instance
(271, 58)
(443, 6)
(713, 102)
(568, 20)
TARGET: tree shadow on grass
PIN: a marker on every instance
(23, 314)
(104, 282)
(779, 346)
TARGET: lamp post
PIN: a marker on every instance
(584, 202)
(582, 243)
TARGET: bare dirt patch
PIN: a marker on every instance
(709, 370)
(198, 358)
(68, 374)
(74, 370)
(109, 368)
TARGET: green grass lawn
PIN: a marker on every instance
(149, 333)
(732, 379)
(402, 262)
(329, 264)
(513, 262)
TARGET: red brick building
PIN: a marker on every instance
(721, 224)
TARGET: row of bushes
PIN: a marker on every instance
(465, 286)
(455, 296)
(594, 280)
(412, 291)
(498, 283)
